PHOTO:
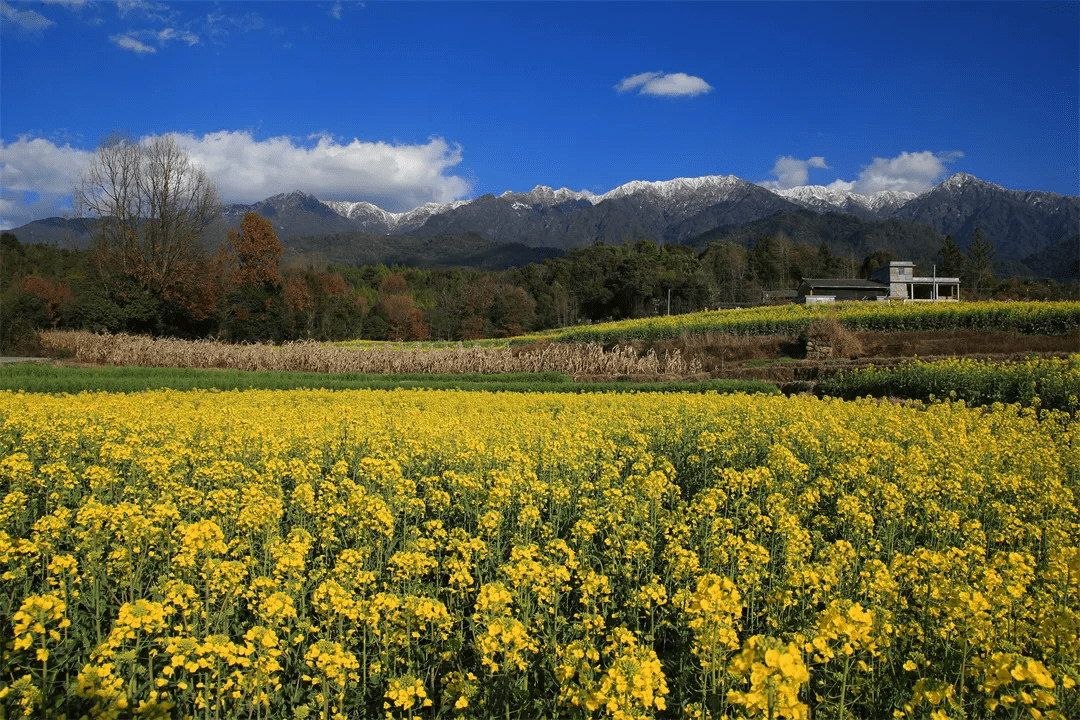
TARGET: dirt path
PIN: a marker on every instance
(9, 360)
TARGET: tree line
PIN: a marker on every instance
(149, 271)
(247, 292)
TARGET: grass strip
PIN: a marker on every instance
(48, 378)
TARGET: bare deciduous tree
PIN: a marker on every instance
(153, 204)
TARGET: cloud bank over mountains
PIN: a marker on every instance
(38, 174)
(909, 171)
(397, 177)
(36, 179)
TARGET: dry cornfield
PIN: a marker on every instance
(576, 359)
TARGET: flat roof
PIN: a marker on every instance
(846, 283)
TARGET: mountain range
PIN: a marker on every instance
(1032, 231)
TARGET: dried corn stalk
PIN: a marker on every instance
(310, 356)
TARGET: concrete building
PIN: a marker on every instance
(899, 275)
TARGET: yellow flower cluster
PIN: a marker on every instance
(444, 554)
(844, 632)
(776, 674)
(32, 621)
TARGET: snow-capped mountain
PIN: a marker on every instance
(542, 195)
(679, 209)
(701, 191)
(295, 213)
(823, 199)
(682, 192)
(1019, 223)
(665, 211)
(373, 219)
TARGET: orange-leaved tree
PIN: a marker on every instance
(257, 251)
(405, 320)
(251, 308)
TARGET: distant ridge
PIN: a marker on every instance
(1023, 225)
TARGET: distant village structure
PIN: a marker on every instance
(814, 291)
(894, 281)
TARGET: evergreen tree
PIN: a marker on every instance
(873, 261)
(953, 263)
(980, 260)
(827, 265)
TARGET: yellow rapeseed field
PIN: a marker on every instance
(421, 554)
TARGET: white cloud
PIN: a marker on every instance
(394, 176)
(629, 83)
(39, 165)
(163, 36)
(792, 172)
(127, 42)
(841, 186)
(138, 41)
(339, 7)
(914, 172)
(660, 84)
(152, 9)
(40, 170)
(67, 3)
(26, 19)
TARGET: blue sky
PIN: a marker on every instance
(401, 103)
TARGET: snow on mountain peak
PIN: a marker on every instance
(687, 194)
(386, 222)
(718, 184)
(354, 210)
(960, 181)
(815, 192)
(890, 199)
(957, 180)
(821, 197)
(818, 197)
(546, 196)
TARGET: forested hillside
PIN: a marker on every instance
(250, 290)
